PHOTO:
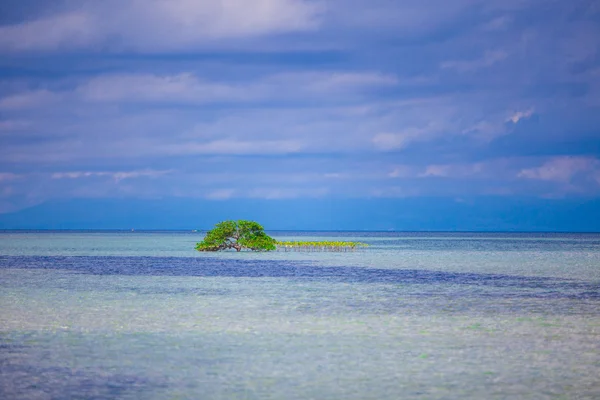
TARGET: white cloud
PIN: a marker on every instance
(331, 81)
(286, 193)
(269, 193)
(236, 147)
(103, 131)
(13, 125)
(28, 99)
(519, 115)
(189, 88)
(181, 88)
(436, 171)
(7, 176)
(409, 16)
(561, 169)
(498, 23)
(262, 103)
(158, 25)
(220, 194)
(499, 169)
(394, 192)
(399, 140)
(96, 129)
(488, 59)
(401, 171)
(117, 176)
(495, 124)
(452, 170)
(391, 141)
(70, 30)
(77, 174)
(487, 129)
(190, 20)
(426, 119)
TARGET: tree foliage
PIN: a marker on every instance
(237, 235)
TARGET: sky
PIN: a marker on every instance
(236, 104)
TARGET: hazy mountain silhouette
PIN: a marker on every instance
(412, 214)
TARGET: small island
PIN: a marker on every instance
(250, 235)
(237, 235)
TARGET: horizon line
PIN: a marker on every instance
(133, 230)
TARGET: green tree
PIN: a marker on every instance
(237, 235)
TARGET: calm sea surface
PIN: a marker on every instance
(140, 315)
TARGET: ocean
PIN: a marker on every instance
(142, 315)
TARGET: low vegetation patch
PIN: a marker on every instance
(249, 235)
(319, 246)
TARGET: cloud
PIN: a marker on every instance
(7, 176)
(78, 174)
(28, 99)
(498, 23)
(117, 176)
(424, 122)
(297, 96)
(394, 192)
(181, 88)
(402, 171)
(410, 17)
(268, 193)
(519, 115)
(286, 193)
(159, 25)
(398, 140)
(486, 130)
(87, 124)
(220, 194)
(452, 170)
(236, 147)
(561, 169)
(463, 116)
(189, 88)
(488, 59)
(391, 141)
(325, 82)
(69, 30)
(13, 125)
(437, 171)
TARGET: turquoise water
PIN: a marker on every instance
(415, 316)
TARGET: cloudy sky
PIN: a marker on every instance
(298, 99)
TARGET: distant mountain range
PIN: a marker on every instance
(406, 214)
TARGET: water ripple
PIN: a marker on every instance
(216, 267)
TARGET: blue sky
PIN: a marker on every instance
(292, 100)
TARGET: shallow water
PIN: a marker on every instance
(423, 316)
